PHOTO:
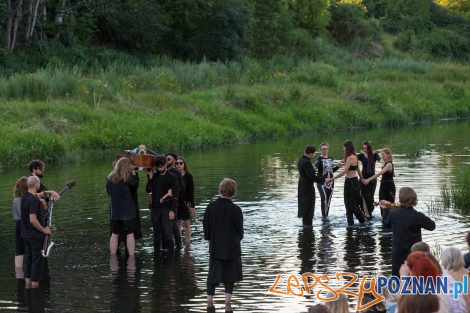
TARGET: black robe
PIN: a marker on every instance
(406, 224)
(223, 227)
(306, 190)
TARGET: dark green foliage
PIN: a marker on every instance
(401, 15)
(447, 43)
(225, 33)
(348, 23)
(311, 15)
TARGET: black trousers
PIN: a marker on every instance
(325, 195)
(162, 230)
(307, 219)
(352, 200)
(33, 259)
(368, 192)
(211, 288)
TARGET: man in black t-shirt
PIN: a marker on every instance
(162, 211)
(33, 230)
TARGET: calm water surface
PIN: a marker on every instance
(82, 278)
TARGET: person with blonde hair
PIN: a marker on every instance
(406, 224)
(453, 264)
(387, 188)
(123, 212)
(223, 227)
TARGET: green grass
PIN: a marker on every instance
(66, 114)
(457, 192)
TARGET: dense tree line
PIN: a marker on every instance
(231, 29)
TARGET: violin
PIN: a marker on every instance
(387, 204)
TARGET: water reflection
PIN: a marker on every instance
(274, 244)
(125, 296)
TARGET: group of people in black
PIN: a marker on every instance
(171, 189)
(359, 186)
(29, 208)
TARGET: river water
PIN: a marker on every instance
(82, 278)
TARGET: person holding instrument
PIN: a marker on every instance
(38, 168)
(387, 189)
(352, 188)
(33, 230)
(186, 198)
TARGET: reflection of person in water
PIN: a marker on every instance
(326, 252)
(165, 285)
(359, 249)
(125, 296)
(306, 245)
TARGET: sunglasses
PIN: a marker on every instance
(179, 163)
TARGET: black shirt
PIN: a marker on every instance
(223, 227)
(30, 205)
(122, 203)
(159, 186)
(368, 164)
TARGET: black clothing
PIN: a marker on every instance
(159, 186)
(211, 288)
(123, 227)
(162, 226)
(368, 170)
(33, 260)
(406, 224)
(387, 191)
(135, 199)
(306, 190)
(223, 227)
(30, 205)
(466, 258)
(326, 169)
(19, 242)
(122, 204)
(352, 168)
(368, 165)
(352, 200)
(186, 197)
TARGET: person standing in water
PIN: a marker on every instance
(326, 168)
(223, 227)
(352, 188)
(368, 158)
(306, 190)
(387, 189)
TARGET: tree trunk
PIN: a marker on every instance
(35, 15)
(18, 17)
(30, 19)
(8, 24)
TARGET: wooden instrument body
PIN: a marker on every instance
(139, 160)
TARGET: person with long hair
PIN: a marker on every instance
(419, 303)
(20, 188)
(453, 264)
(418, 264)
(186, 198)
(223, 227)
(352, 188)
(119, 183)
(326, 168)
(406, 224)
(339, 305)
(368, 158)
(387, 189)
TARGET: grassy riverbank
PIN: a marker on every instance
(69, 114)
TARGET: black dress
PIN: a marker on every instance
(306, 190)
(387, 190)
(368, 170)
(406, 224)
(186, 197)
(223, 227)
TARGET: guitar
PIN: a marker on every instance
(47, 245)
